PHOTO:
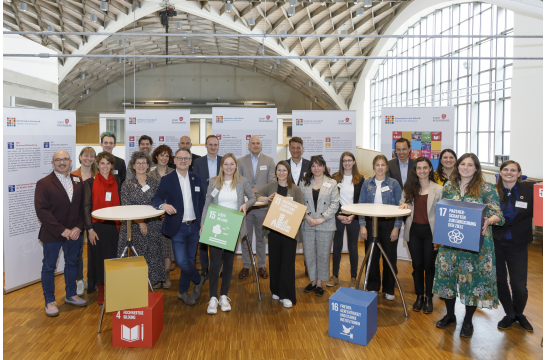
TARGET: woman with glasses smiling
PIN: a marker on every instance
(146, 237)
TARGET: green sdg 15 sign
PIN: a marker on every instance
(221, 227)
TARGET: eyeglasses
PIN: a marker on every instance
(182, 158)
(61, 160)
(141, 163)
(347, 161)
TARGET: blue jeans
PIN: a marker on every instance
(184, 245)
(71, 250)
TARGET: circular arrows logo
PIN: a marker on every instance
(455, 236)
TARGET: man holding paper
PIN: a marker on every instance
(180, 194)
(258, 169)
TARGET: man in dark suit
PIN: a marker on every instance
(145, 144)
(185, 142)
(400, 167)
(181, 195)
(58, 201)
(298, 165)
(108, 141)
(207, 167)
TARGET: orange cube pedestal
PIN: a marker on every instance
(139, 327)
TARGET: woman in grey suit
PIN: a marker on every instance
(421, 194)
(321, 196)
(227, 189)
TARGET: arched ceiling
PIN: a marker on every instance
(334, 81)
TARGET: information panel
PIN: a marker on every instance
(326, 133)
(235, 126)
(31, 137)
(165, 127)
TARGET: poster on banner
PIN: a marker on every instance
(31, 137)
(235, 126)
(429, 129)
(165, 127)
(326, 133)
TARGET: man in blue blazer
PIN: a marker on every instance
(298, 164)
(181, 195)
(207, 167)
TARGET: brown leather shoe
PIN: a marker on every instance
(243, 273)
(263, 273)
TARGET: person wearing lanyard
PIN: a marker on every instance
(381, 189)
(349, 181)
(511, 243)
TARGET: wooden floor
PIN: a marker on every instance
(266, 330)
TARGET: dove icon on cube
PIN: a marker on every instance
(346, 331)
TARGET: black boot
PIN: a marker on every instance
(428, 305)
(417, 306)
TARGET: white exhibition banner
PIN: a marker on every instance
(327, 133)
(430, 129)
(235, 126)
(31, 137)
(164, 126)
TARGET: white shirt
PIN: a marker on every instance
(228, 197)
(378, 193)
(296, 170)
(347, 190)
(66, 182)
(189, 212)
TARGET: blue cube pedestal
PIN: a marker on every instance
(353, 315)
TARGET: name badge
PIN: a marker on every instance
(76, 180)
(263, 167)
(114, 172)
(384, 189)
(197, 189)
(108, 196)
(145, 188)
(521, 204)
(153, 168)
(327, 185)
(340, 186)
(215, 192)
(290, 197)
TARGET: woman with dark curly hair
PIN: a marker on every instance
(447, 160)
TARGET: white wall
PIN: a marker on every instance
(527, 98)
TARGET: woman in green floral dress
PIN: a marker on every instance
(472, 275)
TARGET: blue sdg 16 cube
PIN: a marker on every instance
(353, 315)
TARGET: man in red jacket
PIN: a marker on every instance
(58, 200)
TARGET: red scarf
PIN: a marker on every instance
(100, 187)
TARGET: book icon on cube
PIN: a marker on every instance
(132, 334)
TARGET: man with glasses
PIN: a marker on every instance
(207, 167)
(58, 202)
(181, 195)
(185, 142)
(108, 142)
(145, 144)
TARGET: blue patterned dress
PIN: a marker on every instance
(472, 275)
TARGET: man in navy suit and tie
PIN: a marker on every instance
(207, 167)
(181, 195)
(298, 165)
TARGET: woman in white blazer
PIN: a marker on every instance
(421, 194)
(321, 197)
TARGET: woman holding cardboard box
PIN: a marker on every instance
(282, 248)
(227, 189)
(469, 274)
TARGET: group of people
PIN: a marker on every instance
(184, 185)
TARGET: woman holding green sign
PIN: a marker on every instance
(227, 189)
(282, 249)
(470, 274)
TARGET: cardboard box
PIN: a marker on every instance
(126, 283)
(285, 216)
(538, 204)
(459, 224)
(139, 327)
(353, 315)
(221, 227)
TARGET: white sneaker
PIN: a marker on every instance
(80, 288)
(212, 306)
(390, 297)
(224, 303)
(287, 303)
(275, 297)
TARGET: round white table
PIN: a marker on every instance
(375, 211)
(128, 213)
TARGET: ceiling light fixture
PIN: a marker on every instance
(278, 61)
(261, 49)
(310, 83)
(315, 99)
(178, 24)
(93, 18)
(255, 69)
(119, 60)
(367, 3)
(251, 21)
(23, 7)
(104, 6)
(192, 50)
(50, 28)
(275, 65)
(228, 7)
(121, 42)
(291, 11)
(151, 65)
(62, 37)
(293, 3)
(188, 42)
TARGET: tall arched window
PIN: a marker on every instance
(480, 90)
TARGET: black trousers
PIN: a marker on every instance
(352, 234)
(423, 258)
(282, 251)
(217, 257)
(513, 259)
(385, 227)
